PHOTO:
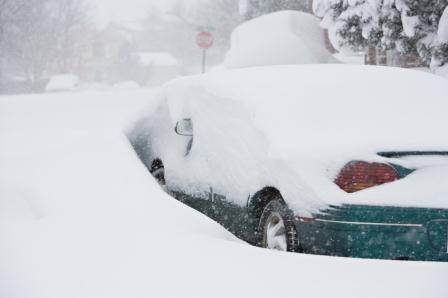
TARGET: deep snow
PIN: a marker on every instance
(81, 217)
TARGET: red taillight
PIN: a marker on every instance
(359, 175)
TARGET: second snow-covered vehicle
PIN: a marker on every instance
(323, 159)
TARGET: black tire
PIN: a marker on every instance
(158, 171)
(276, 210)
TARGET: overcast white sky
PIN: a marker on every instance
(124, 10)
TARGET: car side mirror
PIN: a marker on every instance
(184, 127)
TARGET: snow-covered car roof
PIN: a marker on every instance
(311, 109)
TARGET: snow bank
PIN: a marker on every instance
(442, 71)
(294, 127)
(81, 217)
(287, 37)
(62, 82)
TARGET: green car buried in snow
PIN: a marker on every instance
(380, 232)
(206, 151)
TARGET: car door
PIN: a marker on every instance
(233, 217)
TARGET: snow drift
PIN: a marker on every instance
(81, 217)
(286, 37)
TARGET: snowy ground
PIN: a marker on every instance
(81, 217)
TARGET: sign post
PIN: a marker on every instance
(205, 41)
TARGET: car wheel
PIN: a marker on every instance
(158, 171)
(277, 228)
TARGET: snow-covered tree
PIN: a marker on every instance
(49, 36)
(390, 29)
(420, 20)
(8, 12)
(408, 26)
(440, 54)
(73, 33)
(354, 24)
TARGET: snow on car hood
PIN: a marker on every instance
(316, 118)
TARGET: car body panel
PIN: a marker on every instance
(233, 217)
(379, 232)
(419, 234)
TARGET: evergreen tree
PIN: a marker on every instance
(420, 19)
(440, 54)
(354, 24)
(391, 29)
(408, 26)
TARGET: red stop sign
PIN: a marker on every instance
(204, 40)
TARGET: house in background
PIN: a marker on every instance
(161, 66)
(111, 51)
